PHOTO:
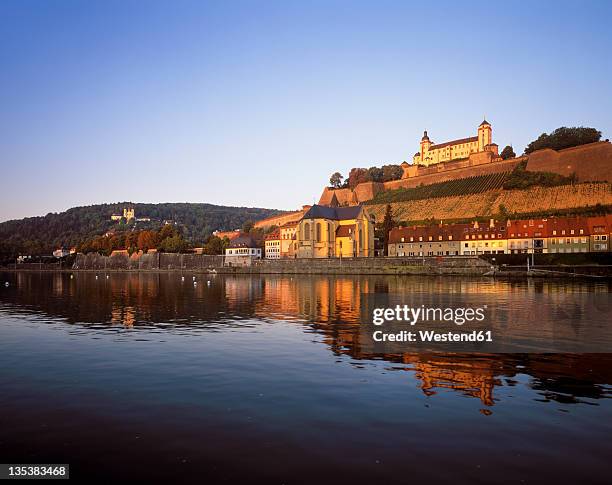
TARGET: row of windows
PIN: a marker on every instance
(572, 231)
(569, 240)
(242, 251)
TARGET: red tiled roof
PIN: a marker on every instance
(527, 228)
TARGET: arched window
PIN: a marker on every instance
(329, 232)
(360, 239)
(318, 232)
(306, 232)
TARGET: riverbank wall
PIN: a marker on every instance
(468, 265)
(429, 266)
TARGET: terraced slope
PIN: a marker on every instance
(465, 186)
(487, 203)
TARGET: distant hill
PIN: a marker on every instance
(40, 235)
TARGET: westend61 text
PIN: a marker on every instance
(432, 336)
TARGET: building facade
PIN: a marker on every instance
(521, 236)
(335, 232)
(272, 245)
(568, 235)
(288, 240)
(419, 241)
(242, 251)
(431, 153)
(527, 236)
(483, 238)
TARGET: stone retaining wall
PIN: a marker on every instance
(459, 265)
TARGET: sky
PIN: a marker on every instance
(257, 103)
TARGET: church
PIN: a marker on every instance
(433, 153)
(335, 232)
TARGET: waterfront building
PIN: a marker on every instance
(484, 238)
(527, 236)
(599, 232)
(335, 232)
(433, 153)
(272, 245)
(415, 241)
(288, 239)
(568, 235)
(242, 251)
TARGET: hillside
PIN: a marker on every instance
(40, 235)
(488, 203)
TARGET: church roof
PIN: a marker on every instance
(243, 241)
(454, 142)
(333, 213)
(485, 122)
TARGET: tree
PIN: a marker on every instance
(166, 231)
(388, 224)
(508, 152)
(357, 176)
(336, 180)
(375, 174)
(564, 138)
(147, 240)
(247, 227)
(215, 245)
(392, 172)
(174, 244)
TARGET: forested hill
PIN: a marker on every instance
(39, 235)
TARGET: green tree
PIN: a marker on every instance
(375, 174)
(564, 138)
(392, 172)
(388, 224)
(336, 180)
(216, 245)
(508, 152)
(247, 227)
(174, 244)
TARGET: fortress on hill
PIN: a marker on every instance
(463, 162)
(477, 156)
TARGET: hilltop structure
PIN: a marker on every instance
(128, 214)
(431, 153)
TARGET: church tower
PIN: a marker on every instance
(485, 135)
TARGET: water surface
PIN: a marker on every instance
(263, 379)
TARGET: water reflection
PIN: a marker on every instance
(330, 308)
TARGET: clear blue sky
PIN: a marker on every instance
(257, 103)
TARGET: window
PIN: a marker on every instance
(306, 232)
(318, 230)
